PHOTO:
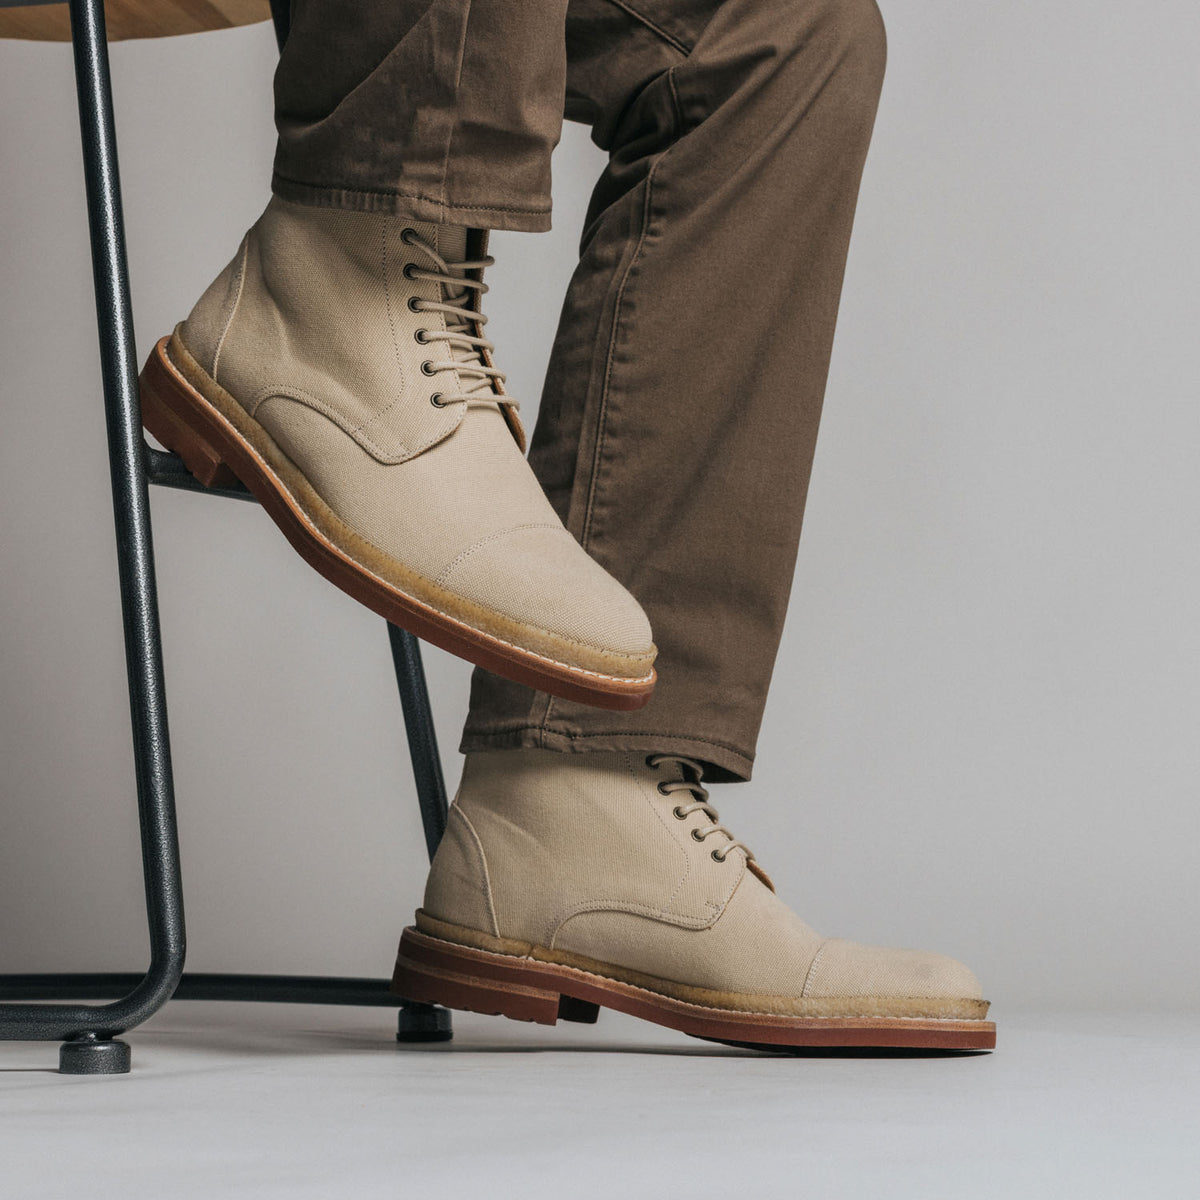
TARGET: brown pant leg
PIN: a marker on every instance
(680, 411)
(444, 110)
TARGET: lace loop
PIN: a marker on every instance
(693, 775)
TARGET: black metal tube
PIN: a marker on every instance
(131, 506)
(422, 738)
(273, 989)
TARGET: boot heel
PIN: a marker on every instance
(165, 415)
(415, 982)
(436, 972)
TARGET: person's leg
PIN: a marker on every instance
(680, 410)
(675, 438)
(338, 367)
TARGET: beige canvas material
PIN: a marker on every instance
(330, 530)
(310, 334)
(314, 309)
(581, 860)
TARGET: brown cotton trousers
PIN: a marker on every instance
(679, 416)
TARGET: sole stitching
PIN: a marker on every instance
(414, 964)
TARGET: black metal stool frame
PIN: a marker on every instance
(88, 1032)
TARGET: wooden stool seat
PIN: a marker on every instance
(47, 21)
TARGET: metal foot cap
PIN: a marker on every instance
(91, 1055)
(423, 1023)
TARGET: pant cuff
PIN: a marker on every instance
(722, 764)
(417, 208)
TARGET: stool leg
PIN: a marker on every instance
(88, 1031)
(92, 1050)
(420, 1022)
(422, 738)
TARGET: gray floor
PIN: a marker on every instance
(265, 1101)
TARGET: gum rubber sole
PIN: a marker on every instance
(219, 455)
(435, 971)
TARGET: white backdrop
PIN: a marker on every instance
(982, 734)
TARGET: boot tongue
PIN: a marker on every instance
(451, 242)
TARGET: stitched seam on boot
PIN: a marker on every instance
(483, 867)
(237, 299)
(812, 967)
(359, 433)
(678, 920)
(282, 391)
(457, 561)
(687, 861)
(632, 909)
(662, 912)
(387, 298)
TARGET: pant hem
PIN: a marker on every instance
(416, 207)
(722, 764)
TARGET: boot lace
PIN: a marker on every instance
(467, 347)
(693, 774)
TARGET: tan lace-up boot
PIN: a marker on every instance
(569, 882)
(337, 367)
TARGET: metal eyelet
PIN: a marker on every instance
(436, 400)
(407, 234)
(697, 835)
(652, 760)
(413, 301)
(678, 811)
(717, 856)
(409, 268)
(662, 789)
(420, 336)
(427, 368)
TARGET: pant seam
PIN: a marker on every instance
(602, 414)
(610, 733)
(610, 352)
(669, 38)
(462, 54)
(332, 188)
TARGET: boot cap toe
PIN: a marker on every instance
(539, 575)
(845, 968)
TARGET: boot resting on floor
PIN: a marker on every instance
(566, 882)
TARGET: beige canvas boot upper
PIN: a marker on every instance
(354, 340)
(617, 864)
